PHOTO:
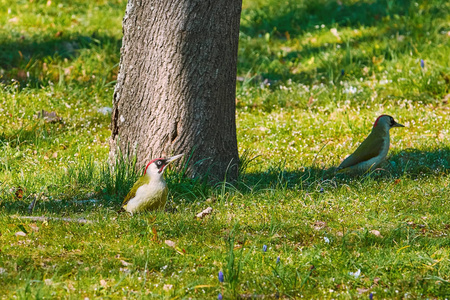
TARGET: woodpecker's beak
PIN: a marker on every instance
(173, 158)
(168, 161)
(398, 125)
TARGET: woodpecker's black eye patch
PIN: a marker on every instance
(160, 163)
(392, 121)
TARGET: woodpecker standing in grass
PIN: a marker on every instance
(373, 149)
(150, 191)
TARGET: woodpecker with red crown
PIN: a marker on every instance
(373, 149)
(150, 191)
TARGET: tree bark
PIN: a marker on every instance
(176, 87)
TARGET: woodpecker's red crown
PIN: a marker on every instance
(159, 162)
(376, 121)
(162, 163)
(391, 121)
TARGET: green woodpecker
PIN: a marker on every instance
(373, 149)
(150, 191)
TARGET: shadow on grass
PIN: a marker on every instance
(411, 163)
(32, 134)
(296, 17)
(38, 132)
(24, 59)
(416, 163)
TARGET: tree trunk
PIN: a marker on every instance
(176, 87)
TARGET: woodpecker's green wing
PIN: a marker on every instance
(141, 181)
(369, 148)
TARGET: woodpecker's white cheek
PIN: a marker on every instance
(153, 170)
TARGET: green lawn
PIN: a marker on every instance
(312, 78)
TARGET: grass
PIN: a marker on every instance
(313, 76)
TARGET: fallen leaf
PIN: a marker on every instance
(377, 60)
(167, 287)
(335, 33)
(155, 234)
(20, 233)
(172, 244)
(103, 283)
(124, 263)
(211, 200)
(205, 212)
(49, 117)
(319, 225)
(446, 99)
(287, 35)
(397, 181)
(169, 243)
(362, 290)
(68, 70)
(55, 155)
(376, 233)
(19, 193)
(48, 281)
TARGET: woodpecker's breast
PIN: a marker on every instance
(149, 196)
(385, 147)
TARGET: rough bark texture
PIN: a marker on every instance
(175, 91)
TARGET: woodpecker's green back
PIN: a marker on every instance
(140, 182)
(369, 148)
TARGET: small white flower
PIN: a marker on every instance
(48, 281)
(105, 110)
(167, 287)
(355, 274)
(350, 90)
